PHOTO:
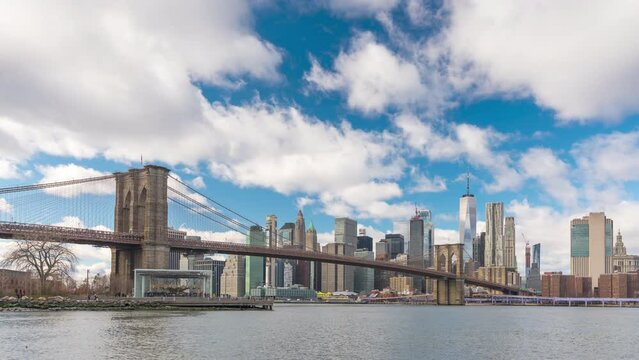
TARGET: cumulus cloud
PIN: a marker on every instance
(198, 182)
(422, 184)
(450, 141)
(5, 206)
(225, 236)
(98, 78)
(304, 201)
(64, 172)
(371, 76)
(575, 57)
(552, 173)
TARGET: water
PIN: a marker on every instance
(326, 332)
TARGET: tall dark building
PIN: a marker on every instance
(217, 267)
(365, 242)
(395, 244)
(479, 247)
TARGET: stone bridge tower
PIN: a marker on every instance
(449, 258)
(140, 208)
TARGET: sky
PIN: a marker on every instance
(357, 108)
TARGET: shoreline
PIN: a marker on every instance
(128, 304)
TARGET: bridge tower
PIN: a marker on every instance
(141, 208)
(449, 258)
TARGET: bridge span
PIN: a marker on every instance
(141, 233)
(19, 231)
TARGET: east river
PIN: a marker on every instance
(326, 332)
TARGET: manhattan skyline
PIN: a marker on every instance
(365, 112)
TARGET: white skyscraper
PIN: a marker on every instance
(467, 220)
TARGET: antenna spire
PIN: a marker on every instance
(468, 181)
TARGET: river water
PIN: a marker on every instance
(326, 332)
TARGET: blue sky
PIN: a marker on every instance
(350, 108)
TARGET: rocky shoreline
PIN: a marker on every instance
(59, 303)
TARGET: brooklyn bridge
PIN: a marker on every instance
(144, 201)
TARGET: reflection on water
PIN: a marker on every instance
(325, 331)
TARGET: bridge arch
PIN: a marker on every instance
(141, 210)
(126, 212)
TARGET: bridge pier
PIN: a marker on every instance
(141, 208)
(449, 291)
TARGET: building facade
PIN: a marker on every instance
(591, 246)
(364, 280)
(479, 246)
(494, 248)
(510, 257)
(364, 241)
(429, 236)
(395, 244)
(621, 261)
(340, 277)
(467, 220)
(216, 266)
(232, 281)
(255, 265)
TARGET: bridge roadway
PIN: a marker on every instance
(18, 231)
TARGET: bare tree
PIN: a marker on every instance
(46, 259)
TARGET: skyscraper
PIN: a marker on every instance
(232, 281)
(299, 238)
(494, 250)
(255, 264)
(416, 248)
(402, 228)
(429, 236)
(340, 277)
(533, 277)
(271, 233)
(416, 242)
(346, 232)
(285, 235)
(510, 258)
(311, 245)
(467, 220)
(303, 268)
(591, 246)
(364, 280)
(479, 246)
(395, 244)
(364, 241)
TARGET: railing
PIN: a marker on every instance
(15, 230)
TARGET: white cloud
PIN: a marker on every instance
(576, 57)
(372, 232)
(56, 173)
(8, 169)
(608, 157)
(352, 8)
(76, 222)
(96, 79)
(446, 236)
(5, 206)
(198, 183)
(225, 236)
(450, 141)
(543, 224)
(421, 184)
(324, 238)
(418, 12)
(552, 173)
(372, 77)
(304, 201)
